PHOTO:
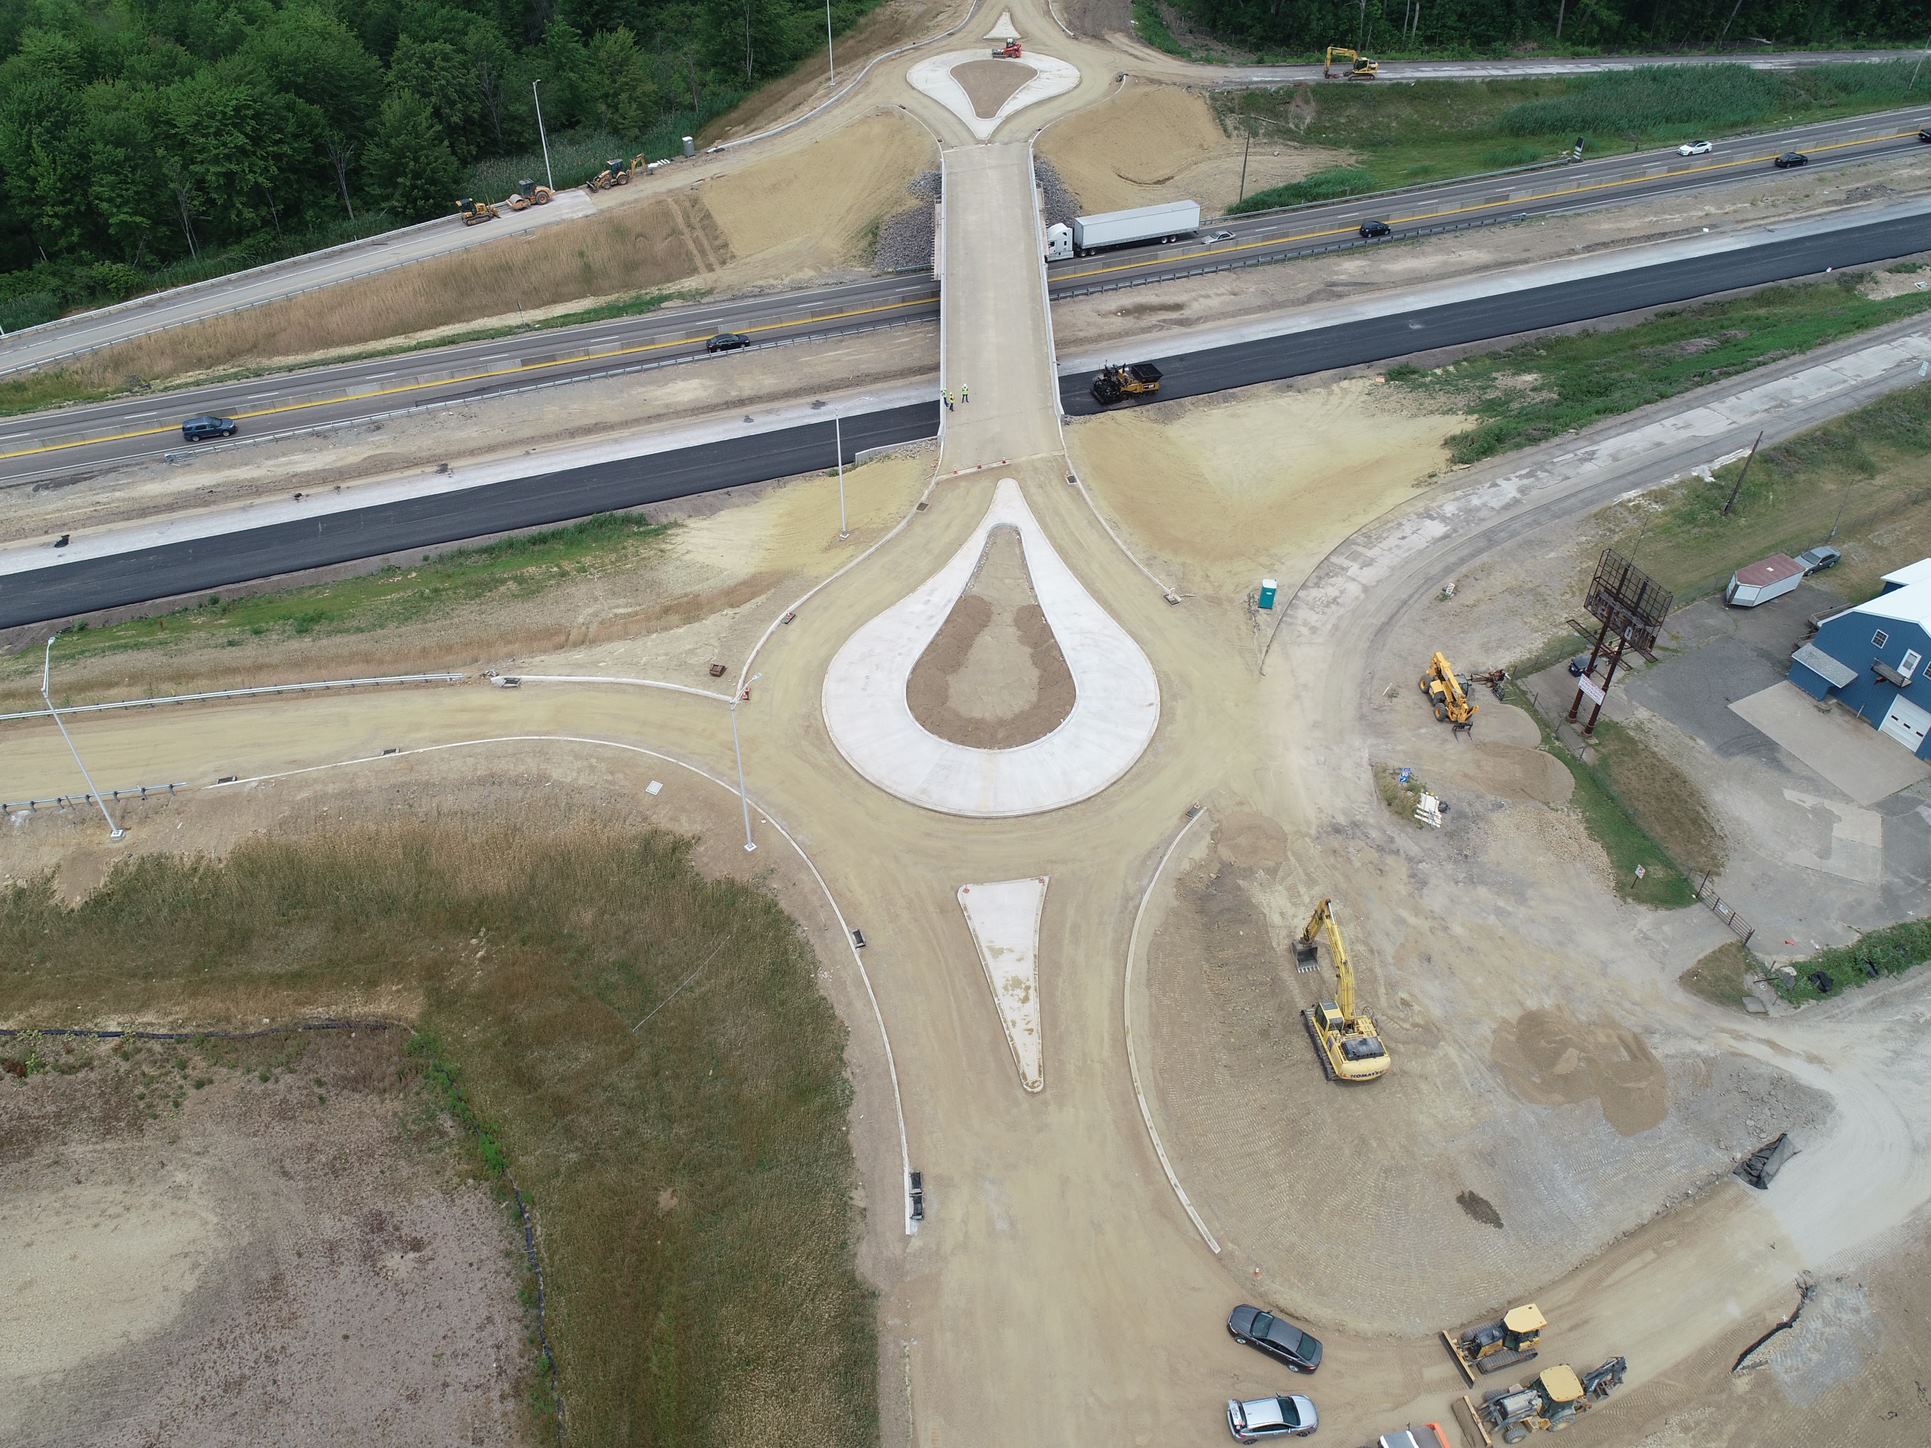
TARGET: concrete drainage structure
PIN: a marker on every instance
(1116, 701)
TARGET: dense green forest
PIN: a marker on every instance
(1301, 27)
(155, 141)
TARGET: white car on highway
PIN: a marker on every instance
(1695, 148)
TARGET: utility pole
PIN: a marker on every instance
(830, 55)
(838, 447)
(46, 692)
(1742, 473)
(1246, 146)
(549, 177)
(1920, 65)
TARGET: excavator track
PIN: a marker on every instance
(1314, 1035)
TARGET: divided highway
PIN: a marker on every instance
(127, 429)
(59, 591)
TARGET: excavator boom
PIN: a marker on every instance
(1350, 1050)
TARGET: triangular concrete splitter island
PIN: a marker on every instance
(1116, 703)
(1004, 919)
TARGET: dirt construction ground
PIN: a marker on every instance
(1510, 1152)
(1561, 1115)
(207, 1244)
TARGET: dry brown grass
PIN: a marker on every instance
(615, 253)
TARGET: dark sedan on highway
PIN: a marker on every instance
(727, 342)
(1275, 1336)
(1789, 159)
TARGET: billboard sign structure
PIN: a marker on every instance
(1630, 606)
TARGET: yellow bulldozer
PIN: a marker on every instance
(1491, 1346)
(1362, 68)
(528, 194)
(1549, 1403)
(616, 172)
(472, 211)
(1344, 1037)
(1446, 694)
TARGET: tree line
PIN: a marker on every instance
(1486, 26)
(139, 135)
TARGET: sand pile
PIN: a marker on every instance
(993, 677)
(1163, 143)
(1550, 1058)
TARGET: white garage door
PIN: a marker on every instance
(1906, 723)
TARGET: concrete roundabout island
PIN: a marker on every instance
(869, 710)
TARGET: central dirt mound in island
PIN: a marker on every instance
(991, 83)
(993, 676)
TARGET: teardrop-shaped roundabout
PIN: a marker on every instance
(999, 686)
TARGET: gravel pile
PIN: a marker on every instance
(926, 185)
(905, 241)
(1061, 204)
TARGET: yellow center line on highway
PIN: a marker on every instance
(475, 376)
(1478, 206)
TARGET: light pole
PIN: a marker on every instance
(830, 55)
(838, 446)
(737, 748)
(46, 692)
(542, 135)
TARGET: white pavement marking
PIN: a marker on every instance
(844, 926)
(1116, 706)
(1133, 1055)
(1002, 28)
(1051, 77)
(1003, 916)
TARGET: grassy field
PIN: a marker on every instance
(510, 568)
(1722, 977)
(1868, 474)
(1612, 819)
(646, 1050)
(1539, 390)
(32, 391)
(1400, 135)
(1889, 951)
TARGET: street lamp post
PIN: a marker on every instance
(542, 135)
(838, 446)
(46, 692)
(737, 748)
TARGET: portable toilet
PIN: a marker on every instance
(1269, 588)
(1763, 580)
(690, 146)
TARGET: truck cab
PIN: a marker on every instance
(1059, 242)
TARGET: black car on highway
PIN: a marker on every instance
(1924, 134)
(727, 342)
(201, 429)
(1789, 159)
(1376, 228)
(1275, 1336)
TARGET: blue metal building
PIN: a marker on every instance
(1872, 659)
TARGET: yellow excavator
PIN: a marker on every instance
(1343, 1036)
(1363, 68)
(1445, 692)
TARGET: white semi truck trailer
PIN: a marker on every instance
(1088, 234)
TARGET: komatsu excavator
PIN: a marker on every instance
(1344, 1037)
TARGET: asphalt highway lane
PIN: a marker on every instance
(1381, 339)
(229, 558)
(168, 570)
(128, 429)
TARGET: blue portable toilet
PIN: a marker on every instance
(1268, 589)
